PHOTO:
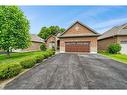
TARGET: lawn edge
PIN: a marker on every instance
(113, 58)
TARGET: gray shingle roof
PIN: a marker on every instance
(117, 30)
(36, 38)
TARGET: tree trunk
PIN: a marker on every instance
(8, 53)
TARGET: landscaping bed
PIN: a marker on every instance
(118, 57)
(18, 62)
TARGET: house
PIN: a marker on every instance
(117, 34)
(51, 41)
(77, 38)
(35, 44)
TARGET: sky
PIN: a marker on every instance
(99, 18)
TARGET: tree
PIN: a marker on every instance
(47, 31)
(14, 29)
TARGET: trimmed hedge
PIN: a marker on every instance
(28, 63)
(9, 70)
(48, 53)
(39, 58)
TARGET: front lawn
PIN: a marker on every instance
(18, 57)
(118, 57)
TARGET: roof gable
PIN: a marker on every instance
(78, 29)
(117, 30)
(51, 36)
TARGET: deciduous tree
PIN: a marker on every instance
(14, 29)
(47, 31)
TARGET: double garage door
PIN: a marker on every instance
(77, 46)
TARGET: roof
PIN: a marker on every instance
(82, 25)
(79, 35)
(49, 37)
(58, 34)
(36, 38)
(115, 31)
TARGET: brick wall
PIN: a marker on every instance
(80, 30)
(35, 46)
(93, 42)
(121, 38)
(104, 43)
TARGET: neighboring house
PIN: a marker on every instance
(117, 34)
(51, 41)
(35, 44)
(77, 38)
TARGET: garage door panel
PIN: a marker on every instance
(123, 47)
(77, 46)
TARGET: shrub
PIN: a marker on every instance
(9, 70)
(43, 47)
(39, 58)
(50, 52)
(114, 48)
(46, 54)
(28, 63)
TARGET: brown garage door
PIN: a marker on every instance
(77, 46)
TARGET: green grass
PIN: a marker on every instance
(18, 57)
(117, 57)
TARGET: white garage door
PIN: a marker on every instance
(124, 47)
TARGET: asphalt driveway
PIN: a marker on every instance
(72, 71)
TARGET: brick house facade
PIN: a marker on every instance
(117, 34)
(78, 38)
(51, 42)
(36, 41)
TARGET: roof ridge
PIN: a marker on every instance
(116, 30)
(122, 26)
